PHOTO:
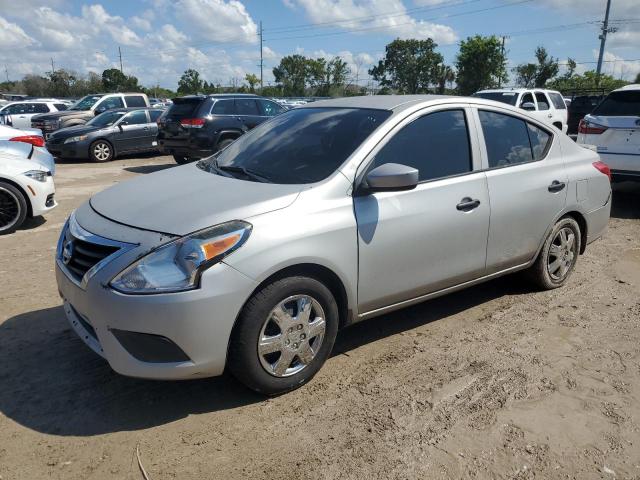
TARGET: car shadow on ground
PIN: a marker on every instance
(33, 222)
(52, 383)
(626, 200)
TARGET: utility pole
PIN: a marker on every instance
(53, 69)
(261, 61)
(6, 71)
(603, 39)
(502, 54)
(120, 55)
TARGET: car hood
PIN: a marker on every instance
(73, 131)
(64, 113)
(185, 199)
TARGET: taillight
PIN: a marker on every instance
(192, 122)
(590, 128)
(35, 140)
(603, 168)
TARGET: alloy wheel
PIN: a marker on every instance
(291, 335)
(101, 151)
(561, 254)
(9, 209)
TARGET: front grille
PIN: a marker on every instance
(44, 125)
(79, 256)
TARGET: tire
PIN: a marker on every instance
(101, 151)
(181, 160)
(224, 144)
(265, 371)
(557, 259)
(13, 208)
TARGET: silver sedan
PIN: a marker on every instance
(253, 259)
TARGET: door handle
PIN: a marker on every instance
(238, 118)
(556, 186)
(467, 204)
(146, 128)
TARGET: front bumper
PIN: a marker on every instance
(78, 150)
(42, 196)
(197, 322)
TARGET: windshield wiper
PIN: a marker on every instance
(245, 171)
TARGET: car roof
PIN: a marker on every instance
(131, 109)
(633, 86)
(382, 102)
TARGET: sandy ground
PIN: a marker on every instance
(497, 381)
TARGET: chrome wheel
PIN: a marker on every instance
(101, 151)
(562, 253)
(9, 209)
(291, 336)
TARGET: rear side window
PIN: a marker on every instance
(269, 109)
(543, 102)
(60, 106)
(511, 141)
(224, 107)
(184, 107)
(110, 102)
(620, 104)
(135, 101)
(247, 106)
(558, 101)
(136, 118)
(155, 114)
(437, 145)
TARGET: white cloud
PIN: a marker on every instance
(114, 25)
(617, 67)
(219, 20)
(11, 35)
(373, 16)
(141, 23)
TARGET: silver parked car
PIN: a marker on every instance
(328, 214)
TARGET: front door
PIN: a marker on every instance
(434, 236)
(133, 132)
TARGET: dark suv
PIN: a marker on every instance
(197, 126)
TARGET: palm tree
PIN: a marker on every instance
(444, 74)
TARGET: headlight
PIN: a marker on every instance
(39, 175)
(177, 266)
(79, 138)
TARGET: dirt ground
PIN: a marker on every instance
(498, 381)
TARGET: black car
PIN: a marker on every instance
(578, 108)
(197, 126)
(112, 133)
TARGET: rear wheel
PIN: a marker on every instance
(224, 144)
(284, 335)
(558, 256)
(101, 151)
(13, 208)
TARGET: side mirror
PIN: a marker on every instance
(99, 110)
(528, 106)
(391, 177)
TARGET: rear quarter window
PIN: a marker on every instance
(183, 108)
(558, 101)
(135, 101)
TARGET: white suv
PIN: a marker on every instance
(20, 113)
(614, 128)
(546, 105)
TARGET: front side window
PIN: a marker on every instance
(543, 102)
(510, 140)
(14, 109)
(136, 118)
(300, 146)
(86, 103)
(109, 103)
(437, 145)
(106, 119)
(269, 109)
(526, 98)
(155, 115)
(223, 107)
(246, 106)
(135, 101)
(624, 103)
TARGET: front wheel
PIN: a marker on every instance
(100, 151)
(284, 335)
(13, 208)
(557, 259)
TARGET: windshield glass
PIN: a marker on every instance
(105, 119)
(304, 145)
(86, 103)
(620, 104)
(504, 97)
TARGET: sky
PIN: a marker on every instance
(159, 39)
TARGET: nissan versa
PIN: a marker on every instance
(254, 258)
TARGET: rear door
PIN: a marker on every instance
(419, 241)
(527, 185)
(133, 133)
(248, 111)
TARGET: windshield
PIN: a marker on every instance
(86, 103)
(300, 146)
(106, 119)
(622, 104)
(504, 97)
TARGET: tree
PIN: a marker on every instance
(481, 63)
(252, 80)
(571, 68)
(526, 74)
(190, 82)
(292, 74)
(587, 81)
(637, 80)
(546, 69)
(113, 80)
(336, 74)
(35, 85)
(409, 66)
(444, 75)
